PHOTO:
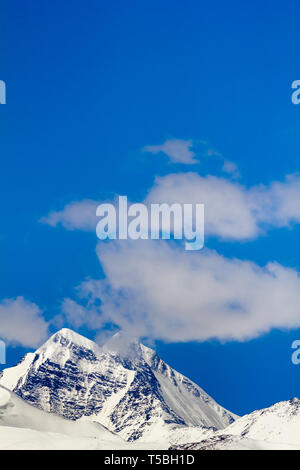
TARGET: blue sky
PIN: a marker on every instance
(88, 87)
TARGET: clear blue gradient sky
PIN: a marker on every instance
(89, 84)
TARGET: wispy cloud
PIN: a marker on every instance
(178, 151)
(78, 215)
(191, 152)
(22, 323)
(228, 167)
(75, 315)
(231, 169)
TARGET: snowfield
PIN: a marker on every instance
(24, 427)
(276, 427)
(227, 442)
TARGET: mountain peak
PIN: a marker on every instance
(62, 344)
(68, 334)
(123, 385)
(122, 344)
(295, 401)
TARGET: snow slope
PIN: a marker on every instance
(279, 423)
(276, 427)
(123, 385)
(23, 426)
(227, 442)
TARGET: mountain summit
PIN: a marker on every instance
(122, 385)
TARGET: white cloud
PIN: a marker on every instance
(204, 149)
(277, 204)
(232, 211)
(77, 316)
(183, 151)
(160, 291)
(231, 169)
(79, 215)
(229, 212)
(178, 151)
(21, 323)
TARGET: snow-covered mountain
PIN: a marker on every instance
(278, 423)
(276, 427)
(71, 393)
(123, 385)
